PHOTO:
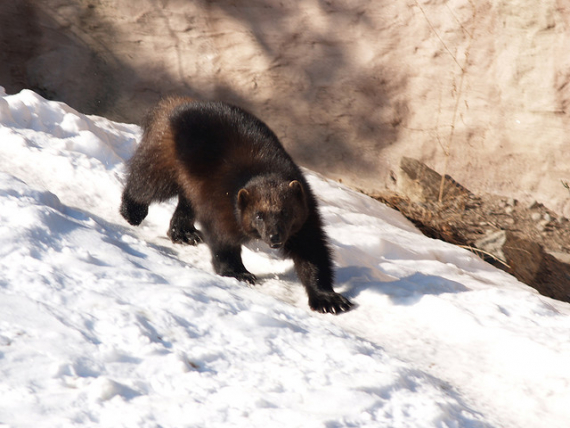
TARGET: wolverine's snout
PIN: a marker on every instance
(275, 240)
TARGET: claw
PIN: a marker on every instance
(188, 237)
(247, 277)
(331, 303)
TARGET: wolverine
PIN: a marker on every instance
(234, 178)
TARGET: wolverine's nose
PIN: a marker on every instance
(275, 240)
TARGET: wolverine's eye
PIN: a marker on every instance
(258, 216)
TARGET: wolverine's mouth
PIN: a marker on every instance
(275, 240)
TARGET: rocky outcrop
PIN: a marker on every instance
(528, 262)
(475, 89)
(529, 241)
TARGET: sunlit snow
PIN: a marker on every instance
(107, 325)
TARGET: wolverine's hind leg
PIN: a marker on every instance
(146, 183)
(134, 212)
(182, 228)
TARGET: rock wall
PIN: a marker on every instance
(475, 89)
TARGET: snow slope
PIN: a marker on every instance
(103, 324)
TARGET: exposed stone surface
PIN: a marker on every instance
(475, 89)
(528, 241)
(421, 184)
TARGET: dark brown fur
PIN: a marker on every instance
(232, 175)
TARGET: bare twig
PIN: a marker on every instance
(463, 67)
(477, 250)
(566, 185)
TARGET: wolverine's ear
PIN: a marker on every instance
(297, 187)
(243, 199)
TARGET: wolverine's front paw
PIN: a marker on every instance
(246, 277)
(329, 302)
(188, 237)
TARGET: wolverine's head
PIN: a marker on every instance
(272, 209)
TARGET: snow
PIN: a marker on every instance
(103, 324)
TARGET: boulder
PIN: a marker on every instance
(529, 263)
